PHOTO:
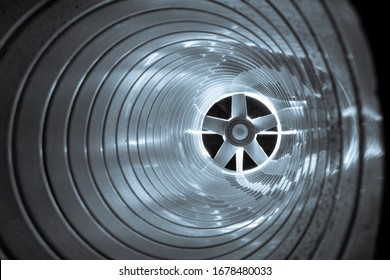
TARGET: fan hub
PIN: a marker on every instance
(240, 132)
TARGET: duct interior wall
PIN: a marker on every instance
(187, 130)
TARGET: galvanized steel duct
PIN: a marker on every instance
(107, 127)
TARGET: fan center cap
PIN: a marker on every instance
(240, 132)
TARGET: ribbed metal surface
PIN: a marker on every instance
(104, 109)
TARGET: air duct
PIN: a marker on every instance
(187, 130)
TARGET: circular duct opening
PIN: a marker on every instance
(240, 132)
(111, 107)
